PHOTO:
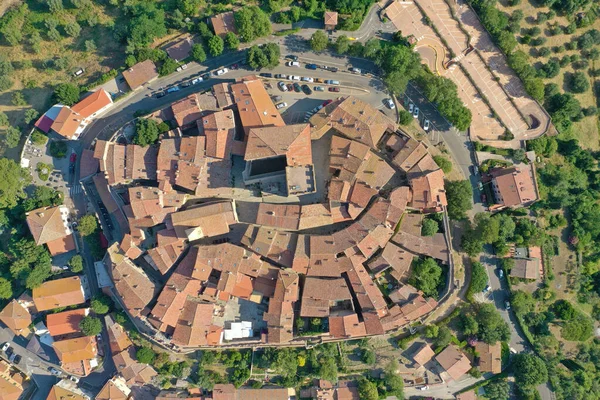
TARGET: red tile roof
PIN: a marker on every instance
(66, 322)
(293, 141)
(454, 362)
(140, 74)
(223, 23)
(513, 186)
(219, 129)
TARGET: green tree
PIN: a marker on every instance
(579, 328)
(426, 276)
(90, 326)
(459, 195)
(319, 41)
(429, 227)
(18, 99)
(147, 22)
(443, 163)
(342, 44)
(6, 291)
(497, 390)
(216, 46)
(231, 41)
(5, 83)
(372, 48)
(90, 46)
(146, 132)
(564, 310)
(66, 93)
(168, 67)
(31, 115)
(73, 29)
(252, 23)
(76, 264)
(328, 369)
(4, 121)
(492, 328)
(286, 363)
(11, 25)
(432, 331)
(368, 357)
(444, 337)
(367, 390)
(479, 279)
(101, 304)
(37, 276)
(579, 82)
(529, 370)
(404, 117)
(198, 53)
(522, 302)
(488, 228)
(12, 136)
(145, 355)
(190, 7)
(393, 382)
(55, 6)
(13, 179)
(87, 225)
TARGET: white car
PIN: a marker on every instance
(424, 388)
(54, 371)
(5, 347)
(293, 78)
(411, 107)
(292, 64)
(307, 79)
(390, 104)
(416, 112)
(196, 81)
(281, 105)
(426, 125)
(282, 86)
(221, 71)
(74, 379)
(355, 70)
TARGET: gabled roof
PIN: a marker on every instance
(189, 109)
(180, 49)
(195, 326)
(16, 317)
(424, 354)
(140, 74)
(117, 338)
(67, 122)
(516, 185)
(254, 104)
(133, 372)
(209, 219)
(114, 389)
(75, 350)
(454, 362)
(58, 293)
(92, 104)
(293, 141)
(46, 224)
(60, 393)
(490, 357)
(219, 129)
(319, 292)
(65, 322)
(223, 23)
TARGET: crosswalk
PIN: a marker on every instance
(75, 189)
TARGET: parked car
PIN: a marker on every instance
(311, 66)
(74, 379)
(292, 57)
(282, 86)
(158, 95)
(507, 305)
(332, 82)
(480, 186)
(297, 87)
(307, 91)
(411, 107)
(234, 66)
(17, 359)
(501, 273)
(334, 89)
(173, 89)
(280, 76)
(327, 102)
(475, 170)
(5, 346)
(294, 78)
(290, 86)
(221, 71)
(390, 104)
(355, 70)
(277, 98)
(331, 69)
(266, 75)
(307, 79)
(196, 81)
(206, 76)
(73, 157)
(186, 84)
(416, 112)
(426, 125)
(281, 105)
(487, 289)
(319, 88)
(54, 371)
(292, 64)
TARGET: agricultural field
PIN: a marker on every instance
(562, 57)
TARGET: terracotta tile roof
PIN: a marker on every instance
(318, 295)
(117, 338)
(293, 141)
(223, 23)
(93, 103)
(315, 215)
(61, 246)
(513, 186)
(424, 354)
(526, 268)
(229, 392)
(222, 94)
(130, 248)
(346, 156)
(16, 317)
(410, 154)
(140, 162)
(140, 74)
(327, 266)
(58, 293)
(454, 362)
(112, 161)
(470, 395)
(283, 216)
(75, 350)
(219, 129)
(400, 197)
(168, 251)
(490, 358)
(209, 219)
(403, 294)
(354, 119)
(275, 245)
(132, 371)
(131, 282)
(190, 109)
(179, 50)
(433, 246)
(195, 324)
(10, 389)
(60, 393)
(346, 326)
(375, 172)
(88, 165)
(114, 389)
(66, 123)
(365, 290)
(174, 150)
(255, 107)
(66, 322)
(330, 18)
(280, 315)
(427, 183)
(47, 224)
(301, 255)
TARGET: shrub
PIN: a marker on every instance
(39, 138)
(443, 163)
(90, 326)
(76, 264)
(58, 149)
(404, 117)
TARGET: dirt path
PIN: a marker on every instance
(6, 4)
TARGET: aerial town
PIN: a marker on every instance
(298, 200)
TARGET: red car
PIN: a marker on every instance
(334, 89)
(327, 102)
(73, 157)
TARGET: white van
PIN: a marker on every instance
(222, 71)
(292, 64)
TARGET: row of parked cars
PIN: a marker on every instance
(414, 110)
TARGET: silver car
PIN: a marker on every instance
(281, 105)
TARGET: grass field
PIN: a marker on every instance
(586, 130)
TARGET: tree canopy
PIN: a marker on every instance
(146, 132)
(529, 370)
(459, 195)
(87, 225)
(252, 23)
(13, 180)
(319, 41)
(426, 276)
(66, 93)
(266, 56)
(90, 326)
